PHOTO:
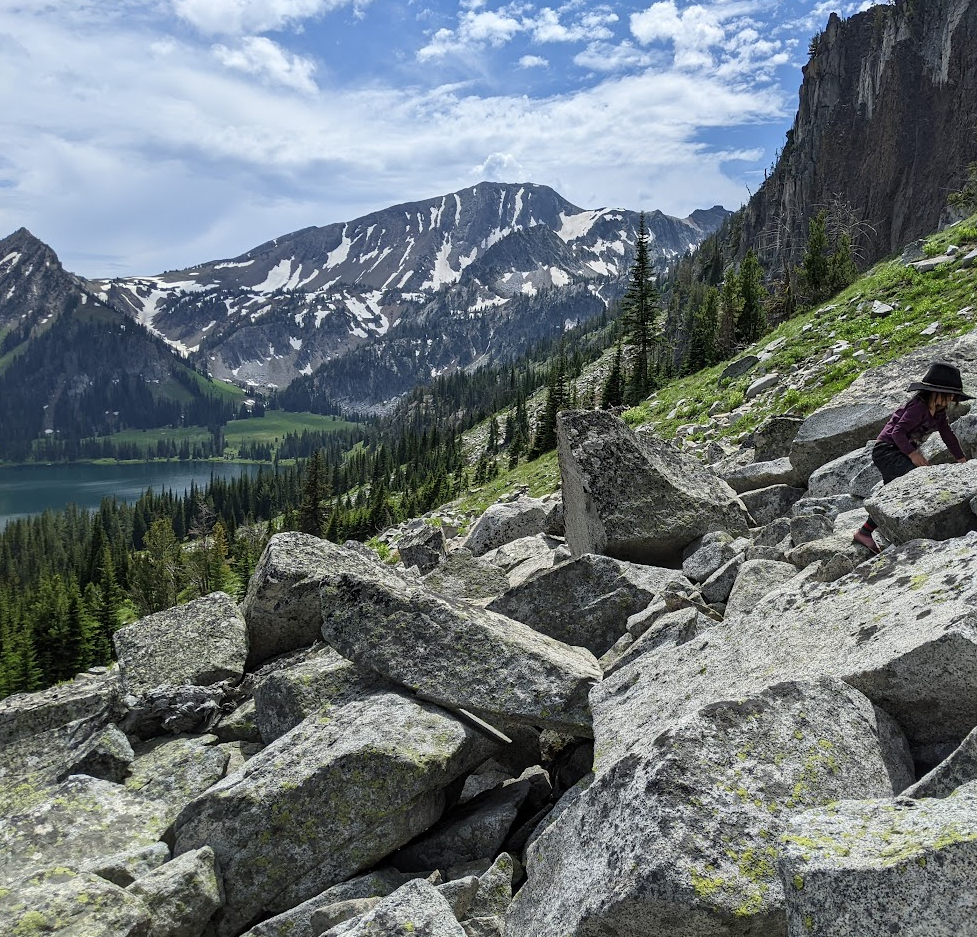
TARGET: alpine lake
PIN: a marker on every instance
(26, 490)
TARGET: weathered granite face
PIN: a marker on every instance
(586, 601)
(457, 654)
(523, 559)
(415, 908)
(281, 607)
(504, 522)
(882, 867)
(680, 838)
(325, 682)
(62, 900)
(329, 798)
(931, 502)
(423, 547)
(196, 644)
(80, 823)
(902, 628)
(636, 498)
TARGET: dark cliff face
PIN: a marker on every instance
(886, 126)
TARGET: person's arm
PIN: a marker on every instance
(911, 417)
(949, 437)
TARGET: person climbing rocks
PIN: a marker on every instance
(897, 448)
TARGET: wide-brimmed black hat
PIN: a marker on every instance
(942, 378)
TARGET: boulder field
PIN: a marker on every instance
(674, 700)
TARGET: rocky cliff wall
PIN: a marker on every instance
(886, 125)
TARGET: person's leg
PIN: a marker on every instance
(892, 463)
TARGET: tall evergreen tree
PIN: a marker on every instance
(640, 310)
(842, 270)
(753, 319)
(814, 269)
(703, 351)
(556, 395)
(315, 491)
(730, 303)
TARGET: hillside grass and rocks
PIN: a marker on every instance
(673, 699)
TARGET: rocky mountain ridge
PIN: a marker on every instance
(424, 268)
(897, 82)
(530, 730)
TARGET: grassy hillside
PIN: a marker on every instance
(927, 308)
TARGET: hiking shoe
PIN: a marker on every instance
(866, 540)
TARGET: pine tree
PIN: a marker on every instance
(814, 269)
(753, 320)
(730, 303)
(705, 328)
(639, 316)
(556, 392)
(312, 513)
(842, 270)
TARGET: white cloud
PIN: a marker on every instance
(258, 55)
(150, 153)
(605, 57)
(237, 17)
(533, 61)
(476, 30)
(499, 167)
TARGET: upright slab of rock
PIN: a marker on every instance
(457, 654)
(587, 601)
(636, 498)
(326, 800)
(196, 644)
(883, 867)
(281, 607)
(901, 628)
(931, 502)
(681, 837)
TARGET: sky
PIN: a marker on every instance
(138, 136)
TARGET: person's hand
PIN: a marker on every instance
(918, 459)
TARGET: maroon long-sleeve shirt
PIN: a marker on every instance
(909, 426)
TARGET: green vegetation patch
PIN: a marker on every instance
(276, 424)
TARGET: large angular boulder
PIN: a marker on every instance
(81, 822)
(882, 867)
(474, 830)
(902, 629)
(931, 502)
(325, 682)
(181, 895)
(859, 413)
(743, 478)
(93, 697)
(636, 498)
(196, 644)
(281, 607)
(767, 504)
(290, 823)
(587, 601)
(306, 919)
(463, 576)
(457, 654)
(681, 837)
(172, 772)
(507, 521)
(756, 578)
(772, 438)
(523, 559)
(838, 476)
(423, 547)
(107, 755)
(416, 909)
(62, 900)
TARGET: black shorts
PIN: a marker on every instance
(891, 461)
